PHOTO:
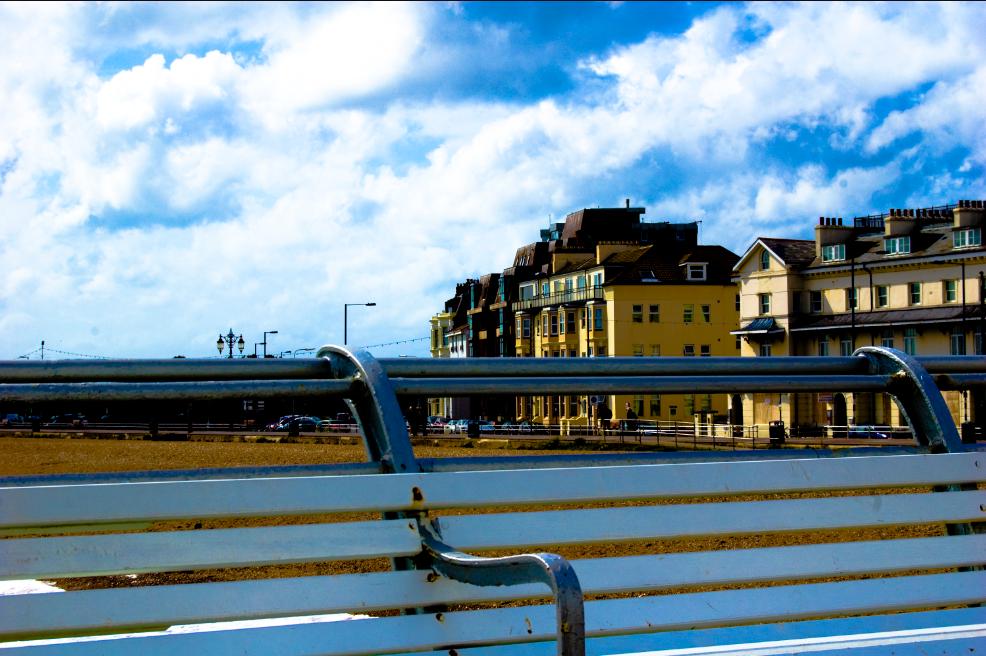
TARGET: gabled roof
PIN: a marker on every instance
(792, 253)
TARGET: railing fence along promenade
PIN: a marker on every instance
(424, 549)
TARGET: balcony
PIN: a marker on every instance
(560, 298)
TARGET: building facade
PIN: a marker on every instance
(910, 279)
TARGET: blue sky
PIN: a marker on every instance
(169, 171)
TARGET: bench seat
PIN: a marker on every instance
(876, 539)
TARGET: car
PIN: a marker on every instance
(456, 426)
(869, 432)
(10, 419)
(487, 427)
(337, 425)
(67, 420)
(301, 423)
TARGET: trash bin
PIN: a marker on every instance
(970, 432)
(472, 429)
(294, 428)
(776, 433)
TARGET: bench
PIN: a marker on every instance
(772, 552)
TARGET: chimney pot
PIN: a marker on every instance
(628, 203)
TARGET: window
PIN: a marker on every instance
(833, 253)
(852, 298)
(654, 313)
(910, 341)
(582, 314)
(766, 350)
(764, 260)
(688, 350)
(696, 271)
(554, 323)
(887, 339)
(764, 303)
(527, 327)
(544, 289)
(655, 350)
(638, 313)
(673, 410)
(739, 342)
(601, 351)
(966, 238)
(597, 318)
(570, 322)
(823, 346)
(638, 350)
(638, 405)
(688, 313)
(597, 280)
(707, 313)
(882, 296)
(845, 347)
(950, 294)
(544, 321)
(526, 292)
(580, 282)
(897, 245)
(705, 350)
(914, 293)
(957, 341)
(561, 322)
(815, 301)
(655, 405)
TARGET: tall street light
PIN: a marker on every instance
(267, 332)
(345, 319)
(230, 340)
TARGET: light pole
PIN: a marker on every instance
(345, 319)
(230, 340)
(267, 332)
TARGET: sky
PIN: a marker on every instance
(173, 171)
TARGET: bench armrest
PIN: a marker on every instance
(546, 568)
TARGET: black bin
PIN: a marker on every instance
(970, 432)
(472, 429)
(776, 433)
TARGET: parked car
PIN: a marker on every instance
(870, 432)
(10, 419)
(68, 420)
(487, 427)
(456, 426)
(304, 424)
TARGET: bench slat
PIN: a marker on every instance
(530, 529)
(714, 637)
(136, 608)
(65, 557)
(908, 642)
(609, 617)
(78, 504)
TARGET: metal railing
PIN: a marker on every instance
(582, 295)
(373, 387)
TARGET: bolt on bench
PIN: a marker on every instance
(769, 552)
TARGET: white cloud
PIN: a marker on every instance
(303, 198)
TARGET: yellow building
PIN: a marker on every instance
(906, 279)
(627, 299)
(441, 324)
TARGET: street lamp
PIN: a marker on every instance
(267, 332)
(230, 340)
(345, 319)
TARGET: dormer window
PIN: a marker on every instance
(695, 271)
(967, 237)
(834, 253)
(764, 260)
(897, 245)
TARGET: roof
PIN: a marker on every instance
(760, 326)
(792, 253)
(660, 264)
(886, 318)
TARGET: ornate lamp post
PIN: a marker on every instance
(345, 319)
(230, 340)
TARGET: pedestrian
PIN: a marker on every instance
(631, 418)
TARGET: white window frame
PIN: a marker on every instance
(834, 253)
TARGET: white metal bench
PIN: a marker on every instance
(882, 551)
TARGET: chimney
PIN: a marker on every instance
(628, 203)
(830, 231)
(900, 222)
(968, 214)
